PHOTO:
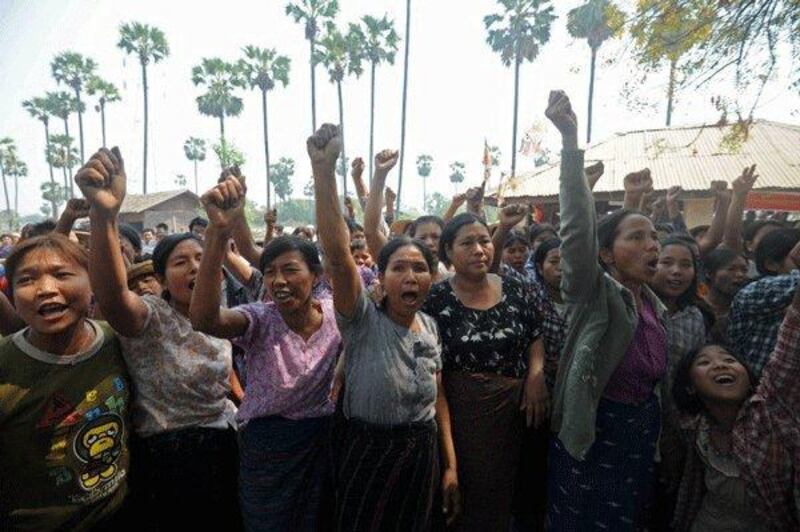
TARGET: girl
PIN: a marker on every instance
(550, 305)
(186, 454)
(387, 462)
(290, 348)
(64, 397)
(606, 414)
(726, 273)
(428, 229)
(516, 251)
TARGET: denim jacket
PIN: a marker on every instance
(602, 314)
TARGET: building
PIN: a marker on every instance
(691, 157)
(175, 208)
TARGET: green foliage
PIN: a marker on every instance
(308, 189)
(62, 154)
(72, 69)
(494, 155)
(437, 204)
(147, 42)
(195, 149)
(342, 166)
(668, 29)
(281, 176)
(457, 172)
(38, 108)
(379, 38)
(424, 165)
(519, 32)
(180, 180)
(62, 104)
(339, 53)
(262, 67)
(312, 13)
(294, 212)
(105, 91)
(53, 194)
(222, 79)
(596, 21)
(228, 154)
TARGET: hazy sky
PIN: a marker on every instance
(459, 92)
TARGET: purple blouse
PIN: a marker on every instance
(286, 375)
(644, 364)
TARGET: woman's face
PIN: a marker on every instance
(516, 255)
(634, 253)
(146, 284)
(429, 233)
(674, 273)
(289, 281)
(127, 249)
(51, 292)
(717, 376)
(406, 281)
(472, 250)
(551, 269)
(542, 237)
(181, 271)
(729, 279)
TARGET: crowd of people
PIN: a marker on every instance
(605, 371)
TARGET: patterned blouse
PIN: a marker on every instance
(495, 340)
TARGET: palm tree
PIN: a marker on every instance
(341, 55)
(16, 168)
(424, 166)
(380, 44)
(7, 150)
(283, 171)
(61, 154)
(405, 94)
(312, 13)
(74, 70)
(262, 68)
(106, 93)
(456, 173)
(596, 21)
(149, 44)
(517, 34)
(62, 104)
(195, 150)
(221, 78)
(39, 109)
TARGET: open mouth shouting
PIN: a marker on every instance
(410, 297)
(725, 379)
(282, 295)
(52, 311)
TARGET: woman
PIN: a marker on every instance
(64, 397)
(387, 467)
(493, 355)
(741, 437)
(186, 452)
(516, 252)
(428, 229)
(606, 414)
(290, 348)
(550, 305)
(726, 274)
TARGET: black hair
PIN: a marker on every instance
(687, 401)
(399, 242)
(775, 247)
(689, 297)
(451, 230)
(750, 230)
(541, 252)
(515, 237)
(352, 225)
(129, 233)
(202, 222)
(718, 259)
(358, 244)
(411, 230)
(607, 226)
(165, 248)
(41, 228)
(698, 230)
(284, 244)
(162, 225)
(538, 229)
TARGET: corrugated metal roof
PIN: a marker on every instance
(136, 203)
(691, 157)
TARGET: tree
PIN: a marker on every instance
(149, 44)
(16, 168)
(308, 189)
(55, 194)
(341, 55)
(39, 109)
(282, 173)
(313, 13)
(62, 104)
(228, 154)
(7, 150)
(195, 150)
(456, 173)
(596, 21)
(74, 70)
(437, 204)
(380, 45)
(180, 181)
(61, 154)
(517, 34)
(222, 79)
(424, 167)
(106, 92)
(262, 68)
(403, 112)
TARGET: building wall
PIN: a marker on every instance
(176, 213)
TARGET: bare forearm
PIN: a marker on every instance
(204, 310)
(732, 237)
(333, 233)
(238, 266)
(713, 236)
(372, 215)
(498, 239)
(65, 223)
(446, 446)
(451, 212)
(245, 243)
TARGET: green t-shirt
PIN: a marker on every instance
(63, 433)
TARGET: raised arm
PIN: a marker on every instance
(779, 382)
(102, 181)
(76, 208)
(384, 162)
(713, 237)
(673, 208)
(742, 185)
(323, 150)
(222, 204)
(357, 173)
(455, 204)
(510, 216)
(636, 185)
(475, 201)
(594, 172)
(579, 249)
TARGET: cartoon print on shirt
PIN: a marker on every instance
(98, 445)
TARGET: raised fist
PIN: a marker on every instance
(224, 201)
(673, 194)
(102, 181)
(511, 215)
(76, 208)
(594, 173)
(638, 182)
(385, 160)
(271, 217)
(459, 199)
(232, 171)
(324, 146)
(389, 196)
(559, 112)
(357, 167)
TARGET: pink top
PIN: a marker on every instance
(286, 375)
(644, 364)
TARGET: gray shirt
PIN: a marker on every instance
(390, 371)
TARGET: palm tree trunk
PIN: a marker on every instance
(222, 140)
(424, 193)
(67, 161)
(66, 179)
(313, 87)
(195, 177)
(371, 117)
(103, 120)
(516, 108)
(591, 97)
(144, 164)
(670, 91)
(16, 196)
(8, 202)
(266, 143)
(403, 120)
(80, 121)
(53, 204)
(341, 133)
